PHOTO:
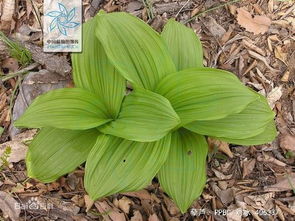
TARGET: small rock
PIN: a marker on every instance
(34, 84)
(134, 6)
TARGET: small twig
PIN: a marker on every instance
(182, 8)
(211, 9)
(13, 95)
(38, 18)
(18, 73)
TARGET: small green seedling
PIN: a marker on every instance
(4, 158)
(158, 129)
(17, 51)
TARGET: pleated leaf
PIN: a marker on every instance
(67, 108)
(248, 123)
(93, 71)
(205, 94)
(184, 45)
(135, 49)
(145, 116)
(117, 165)
(55, 152)
(183, 176)
(267, 136)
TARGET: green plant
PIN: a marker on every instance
(158, 128)
(17, 51)
(4, 158)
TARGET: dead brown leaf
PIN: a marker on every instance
(226, 196)
(259, 24)
(274, 96)
(88, 202)
(222, 146)
(171, 207)
(216, 29)
(287, 141)
(109, 211)
(280, 54)
(248, 167)
(7, 13)
(136, 216)
(18, 148)
(8, 206)
(124, 204)
(286, 183)
(153, 217)
(11, 64)
(141, 194)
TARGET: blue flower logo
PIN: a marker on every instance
(62, 19)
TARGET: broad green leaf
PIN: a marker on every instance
(93, 71)
(205, 94)
(183, 176)
(268, 135)
(134, 48)
(184, 45)
(55, 152)
(117, 165)
(248, 123)
(145, 116)
(1, 130)
(67, 108)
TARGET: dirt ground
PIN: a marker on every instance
(253, 39)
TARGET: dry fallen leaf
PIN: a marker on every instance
(222, 146)
(281, 55)
(141, 194)
(7, 14)
(285, 183)
(11, 64)
(171, 207)
(88, 202)
(286, 76)
(136, 216)
(124, 204)
(287, 141)
(259, 201)
(234, 215)
(248, 167)
(109, 211)
(8, 206)
(18, 148)
(274, 96)
(153, 217)
(259, 24)
(226, 196)
(215, 29)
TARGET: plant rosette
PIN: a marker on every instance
(158, 129)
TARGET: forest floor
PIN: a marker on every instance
(253, 39)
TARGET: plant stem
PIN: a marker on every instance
(149, 7)
(18, 73)
(211, 9)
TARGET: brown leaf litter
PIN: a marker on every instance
(252, 183)
(259, 24)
